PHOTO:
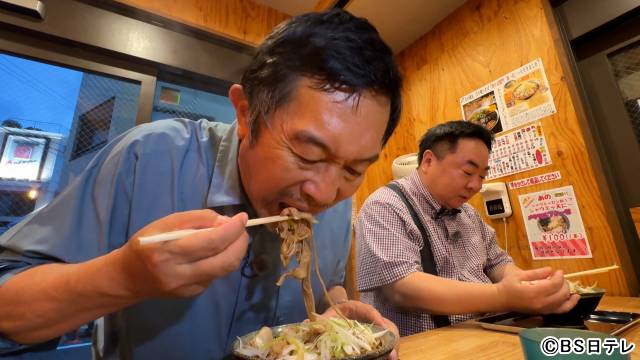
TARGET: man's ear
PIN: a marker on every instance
(427, 159)
(240, 103)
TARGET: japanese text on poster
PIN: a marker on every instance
(518, 151)
(554, 225)
(534, 180)
(515, 99)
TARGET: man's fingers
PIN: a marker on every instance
(357, 310)
(555, 283)
(194, 219)
(209, 243)
(535, 274)
(569, 304)
(394, 354)
(549, 286)
(222, 263)
(360, 311)
(552, 302)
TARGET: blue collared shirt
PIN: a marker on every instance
(149, 172)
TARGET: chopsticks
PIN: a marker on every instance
(591, 272)
(174, 235)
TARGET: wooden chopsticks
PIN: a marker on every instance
(591, 272)
(174, 235)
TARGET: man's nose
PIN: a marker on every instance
(323, 187)
(475, 184)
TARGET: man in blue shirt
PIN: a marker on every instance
(314, 108)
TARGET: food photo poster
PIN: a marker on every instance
(554, 225)
(515, 99)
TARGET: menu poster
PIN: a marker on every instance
(526, 94)
(521, 150)
(515, 99)
(554, 225)
(481, 108)
(21, 157)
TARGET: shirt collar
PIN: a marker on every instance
(225, 188)
(434, 209)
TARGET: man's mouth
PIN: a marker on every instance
(299, 207)
(465, 198)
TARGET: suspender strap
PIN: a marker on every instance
(426, 254)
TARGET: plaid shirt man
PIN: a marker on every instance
(389, 244)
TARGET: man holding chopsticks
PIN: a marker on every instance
(319, 100)
(425, 257)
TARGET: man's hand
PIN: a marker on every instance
(183, 267)
(365, 313)
(540, 291)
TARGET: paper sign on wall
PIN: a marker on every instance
(518, 151)
(554, 225)
(534, 180)
(515, 99)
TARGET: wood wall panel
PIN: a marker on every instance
(479, 42)
(635, 214)
(241, 20)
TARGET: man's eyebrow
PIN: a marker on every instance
(475, 165)
(308, 137)
(370, 159)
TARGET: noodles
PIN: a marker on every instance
(319, 338)
(324, 339)
(297, 240)
(575, 287)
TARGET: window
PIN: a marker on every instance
(93, 128)
(626, 68)
(52, 123)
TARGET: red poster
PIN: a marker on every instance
(23, 152)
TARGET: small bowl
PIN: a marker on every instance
(531, 340)
(389, 341)
(575, 317)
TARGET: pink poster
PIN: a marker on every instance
(554, 225)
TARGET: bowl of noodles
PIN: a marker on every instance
(554, 223)
(525, 90)
(319, 338)
(590, 297)
(486, 116)
(323, 339)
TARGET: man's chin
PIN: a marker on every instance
(265, 212)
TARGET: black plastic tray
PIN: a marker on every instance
(609, 322)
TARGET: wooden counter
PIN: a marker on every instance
(468, 341)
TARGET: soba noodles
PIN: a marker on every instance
(297, 241)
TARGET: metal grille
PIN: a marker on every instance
(53, 121)
(626, 68)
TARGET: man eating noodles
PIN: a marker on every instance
(317, 103)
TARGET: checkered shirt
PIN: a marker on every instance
(389, 243)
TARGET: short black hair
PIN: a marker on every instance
(443, 138)
(336, 50)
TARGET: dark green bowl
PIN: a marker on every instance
(389, 341)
